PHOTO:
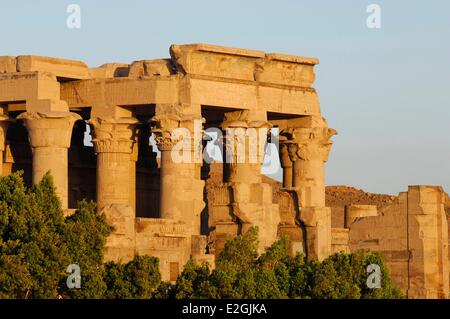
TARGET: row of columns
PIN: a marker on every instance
(303, 153)
(49, 124)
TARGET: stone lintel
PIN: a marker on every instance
(177, 50)
(292, 58)
(151, 68)
(241, 64)
(362, 210)
(109, 70)
(28, 86)
(63, 68)
(144, 91)
(120, 91)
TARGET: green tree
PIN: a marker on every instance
(194, 282)
(241, 274)
(85, 235)
(37, 244)
(136, 279)
(333, 279)
(360, 260)
(31, 227)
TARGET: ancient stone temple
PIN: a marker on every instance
(99, 131)
(161, 206)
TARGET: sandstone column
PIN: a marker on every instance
(4, 121)
(113, 141)
(179, 138)
(286, 163)
(251, 200)
(133, 159)
(317, 222)
(309, 152)
(309, 145)
(244, 142)
(49, 125)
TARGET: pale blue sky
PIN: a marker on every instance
(386, 91)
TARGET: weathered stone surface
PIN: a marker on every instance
(49, 134)
(121, 245)
(317, 221)
(19, 87)
(308, 146)
(150, 68)
(113, 141)
(109, 70)
(216, 61)
(412, 235)
(59, 67)
(287, 69)
(199, 86)
(339, 240)
(8, 64)
(354, 212)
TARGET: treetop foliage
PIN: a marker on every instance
(37, 244)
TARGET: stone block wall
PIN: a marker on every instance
(412, 236)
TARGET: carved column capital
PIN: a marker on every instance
(292, 149)
(285, 158)
(171, 129)
(310, 143)
(111, 135)
(49, 129)
(241, 119)
(245, 139)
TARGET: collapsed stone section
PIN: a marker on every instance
(412, 236)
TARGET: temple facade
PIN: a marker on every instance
(181, 207)
(159, 205)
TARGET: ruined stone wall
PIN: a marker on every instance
(412, 236)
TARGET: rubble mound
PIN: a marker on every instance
(341, 195)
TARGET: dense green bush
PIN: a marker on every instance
(240, 273)
(33, 254)
(135, 279)
(37, 243)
